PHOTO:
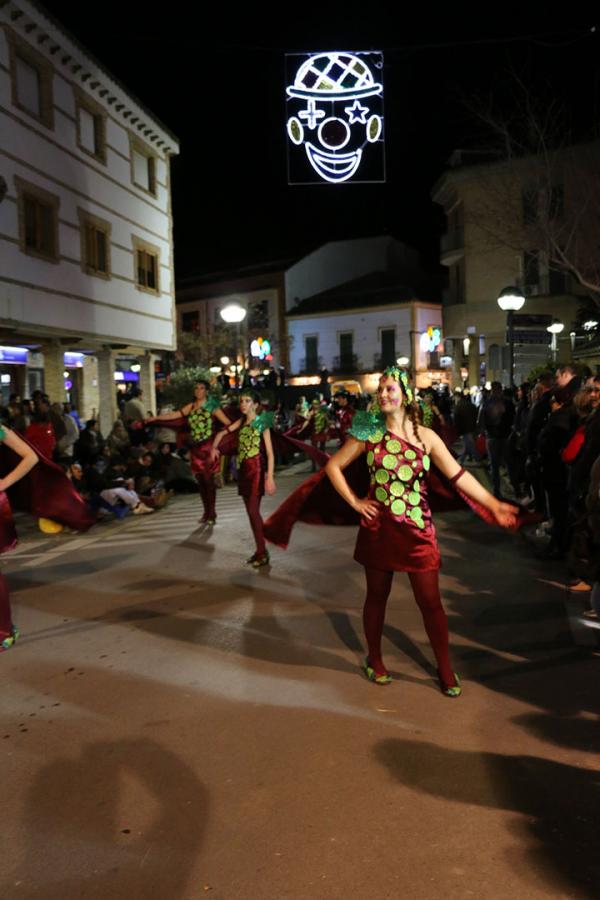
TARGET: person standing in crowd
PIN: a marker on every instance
(538, 414)
(200, 414)
(465, 422)
(40, 431)
(65, 443)
(134, 415)
(515, 450)
(255, 465)
(496, 418)
(553, 438)
(28, 459)
(90, 443)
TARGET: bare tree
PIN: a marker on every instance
(538, 193)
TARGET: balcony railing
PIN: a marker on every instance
(311, 365)
(383, 360)
(349, 363)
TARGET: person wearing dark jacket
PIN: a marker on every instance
(465, 422)
(553, 438)
(538, 415)
(496, 417)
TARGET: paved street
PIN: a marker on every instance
(175, 726)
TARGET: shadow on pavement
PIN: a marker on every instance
(79, 840)
(560, 802)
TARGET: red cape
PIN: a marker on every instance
(45, 492)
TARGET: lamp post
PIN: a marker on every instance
(510, 301)
(555, 329)
(234, 314)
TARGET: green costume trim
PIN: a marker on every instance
(367, 426)
(211, 403)
(263, 421)
(2, 433)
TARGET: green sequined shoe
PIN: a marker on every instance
(454, 691)
(259, 561)
(10, 639)
(372, 674)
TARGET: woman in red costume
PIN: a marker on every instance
(396, 530)
(9, 632)
(200, 415)
(255, 454)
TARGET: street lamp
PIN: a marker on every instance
(555, 329)
(234, 314)
(403, 361)
(510, 301)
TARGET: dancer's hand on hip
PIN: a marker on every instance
(367, 509)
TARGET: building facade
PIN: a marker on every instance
(489, 245)
(85, 222)
(260, 290)
(356, 331)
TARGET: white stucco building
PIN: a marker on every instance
(86, 250)
(359, 328)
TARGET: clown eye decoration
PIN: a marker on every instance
(334, 136)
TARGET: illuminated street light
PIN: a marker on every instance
(510, 301)
(403, 361)
(555, 329)
(234, 314)
(224, 360)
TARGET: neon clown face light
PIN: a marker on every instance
(336, 113)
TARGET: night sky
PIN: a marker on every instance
(215, 77)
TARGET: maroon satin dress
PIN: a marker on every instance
(401, 537)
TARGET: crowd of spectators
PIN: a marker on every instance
(541, 443)
(133, 469)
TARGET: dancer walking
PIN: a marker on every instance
(255, 465)
(200, 415)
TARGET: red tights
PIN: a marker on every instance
(426, 589)
(256, 523)
(5, 617)
(208, 495)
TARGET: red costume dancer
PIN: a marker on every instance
(255, 455)
(42, 489)
(200, 415)
(396, 531)
(344, 416)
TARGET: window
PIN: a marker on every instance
(91, 126)
(531, 268)
(147, 265)
(31, 80)
(95, 244)
(190, 321)
(388, 347)
(557, 282)
(346, 349)
(258, 315)
(143, 165)
(38, 220)
(311, 346)
(28, 88)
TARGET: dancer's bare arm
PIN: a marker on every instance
(334, 469)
